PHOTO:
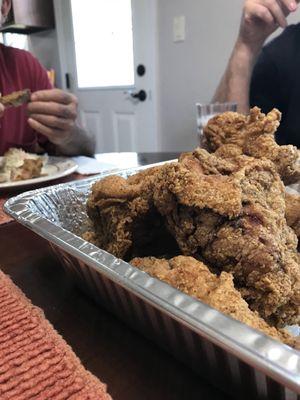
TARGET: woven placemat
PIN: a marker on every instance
(4, 218)
(35, 362)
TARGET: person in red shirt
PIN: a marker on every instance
(48, 121)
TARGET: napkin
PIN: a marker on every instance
(90, 166)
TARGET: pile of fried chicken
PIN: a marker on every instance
(217, 225)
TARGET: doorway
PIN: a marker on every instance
(108, 52)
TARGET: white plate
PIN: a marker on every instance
(56, 167)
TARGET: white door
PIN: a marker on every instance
(102, 43)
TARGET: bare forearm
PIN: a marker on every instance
(79, 143)
(235, 83)
(260, 18)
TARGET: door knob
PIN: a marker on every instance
(141, 95)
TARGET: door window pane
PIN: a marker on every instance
(17, 40)
(103, 42)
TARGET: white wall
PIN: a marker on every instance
(44, 46)
(190, 70)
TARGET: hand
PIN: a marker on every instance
(261, 18)
(53, 114)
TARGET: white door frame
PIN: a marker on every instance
(61, 7)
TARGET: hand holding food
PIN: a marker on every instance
(53, 114)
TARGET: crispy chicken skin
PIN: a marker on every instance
(292, 212)
(235, 223)
(226, 208)
(123, 214)
(115, 205)
(230, 215)
(195, 279)
(253, 135)
(16, 99)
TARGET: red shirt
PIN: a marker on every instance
(20, 70)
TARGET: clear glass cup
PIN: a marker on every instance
(205, 111)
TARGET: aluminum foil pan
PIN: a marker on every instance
(240, 360)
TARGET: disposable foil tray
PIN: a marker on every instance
(242, 361)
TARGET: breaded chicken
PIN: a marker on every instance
(195, 279)
(254, 136)
(231, 215)
(123, 215)
(226, 208)
(236, 223)
(292, 212)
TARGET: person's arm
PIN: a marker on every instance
(260, 18)
(80, 142)
(235, 83)
(53, 113)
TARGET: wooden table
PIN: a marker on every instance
(133, 367)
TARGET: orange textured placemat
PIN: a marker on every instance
(35, 362)
(4, 218)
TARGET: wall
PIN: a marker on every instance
(190, 70)
(44, 46)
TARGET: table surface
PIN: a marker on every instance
(133, 367)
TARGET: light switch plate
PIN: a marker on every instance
(179, 28)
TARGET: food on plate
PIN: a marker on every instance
(18, 165)
(30, 169)
(194, 278)
(227, 208)
(16, 99)
(253, 135)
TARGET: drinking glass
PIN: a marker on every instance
(205, 111)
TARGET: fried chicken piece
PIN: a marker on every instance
(236, 223)
(206, 163)
(229, 151)
(225, 161)
(229, 214)
(16, 99)
(195, 279)
(254, 135)
(292, 212)
(123, 215)
(227, 128)
(31, 168)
